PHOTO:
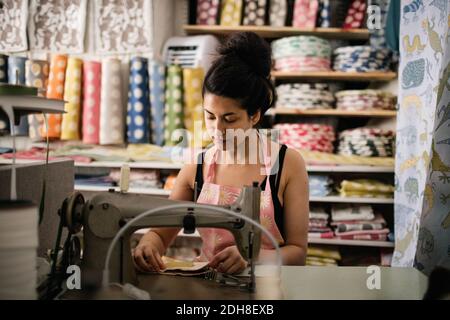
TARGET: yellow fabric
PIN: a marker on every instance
(231, 13)
(324, 253)
(365, 194)
(72, 94)
(323, 158)
(366, 185)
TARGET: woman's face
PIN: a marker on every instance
(224, 118)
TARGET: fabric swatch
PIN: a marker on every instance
(70, 127)
(157, 101)
(111, 109)
(92, 77)
(138, 111)
(13, 19)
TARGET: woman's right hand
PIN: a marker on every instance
(147, 257)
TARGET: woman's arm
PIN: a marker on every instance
(296, 212)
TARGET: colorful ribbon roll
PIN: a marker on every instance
(231, 15)
(157, 101)
(138, 116)
(70, 127)
(278, 13)
(305, 13)
(111, 106)
(174, 106)
(92, 77)
(37, 73)
(55, 90)
(255, 12)
(207, 12)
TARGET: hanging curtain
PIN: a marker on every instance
(422, 173)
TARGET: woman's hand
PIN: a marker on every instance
(147, 257)
(229, 260)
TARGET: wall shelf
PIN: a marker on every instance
(334, 112)
(338, 199)
(335, 75)
(364, 243)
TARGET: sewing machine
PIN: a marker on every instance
(106, 213)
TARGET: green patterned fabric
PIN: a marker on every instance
(174, 118)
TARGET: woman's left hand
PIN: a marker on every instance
(229, 260)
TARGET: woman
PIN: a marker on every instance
(236, 93)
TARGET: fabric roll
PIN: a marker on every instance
(324, 14)
(37, 73)
(138, 110)
(377, 37)
(16, 75)
(92, 79)
(55, 90)
(255, 13)
(231, 14)
(278, 13)
(207, 12)
(305, 13)
(157, 101)
(174, 106)
(4, 122)
(355, 14)
(111, 109)
(193, 110)
(70, 126)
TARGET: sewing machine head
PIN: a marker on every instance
(105, 214)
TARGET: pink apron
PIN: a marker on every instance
(215, 240)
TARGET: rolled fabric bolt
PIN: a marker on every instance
(138, 111)
(111, 107)
(37, 73)
(305, 13)
(174, 106)
(207, 12)
(157, 101)
(92, 76)
(355, 14)
(70, 127)
(278, 13)
(254, 12)
(231, 13)
(324, 14)
(55, 90)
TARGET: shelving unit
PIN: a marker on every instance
(362, 243)
(334, 113)
(338, 199)
(334, 75)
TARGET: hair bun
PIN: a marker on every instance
(251, 49)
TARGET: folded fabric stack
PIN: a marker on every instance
(358, 222)
(304, 96)
(366, 188)
(322, 256)
(94, 180)
(302, 53)
(361, 59)
(365, 100)
(322, 158)
(320, 185)
(314, 137)
(367, 142)
(139, 178)
(318, 224)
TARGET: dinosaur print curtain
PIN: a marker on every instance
(422, 173)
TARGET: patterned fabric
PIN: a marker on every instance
(314, 137)
(37, 73)
(231, 15)
(122, 26)
(138, 118)
(305, 13)
(174, 106)
(157, 100)
(320, 185)
(324, 14)
(215, 240)
(362, 59)
(365, 100)
(348, 212)
(207, 12)
(366, 188)
(304, 96)
(278, 13)
(254, 12)
(422, 218)
(17, 75)
(367, 142)
(111, 109)
(55, 90)
(92, 79)
(70, 126)
(355, 14)
(57, 25)
(13, 18)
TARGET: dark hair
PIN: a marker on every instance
(242, 72)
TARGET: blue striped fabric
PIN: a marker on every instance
(138, 118)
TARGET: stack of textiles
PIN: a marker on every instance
(358, 222)
(313, 137)
(94, 180)
(302, 53)
(322, 256)
(367, 142)
(318, 224)
(139, 178)
(304, 96)
(322, 158)
(362, 59)
(366, 188)
(355, 100)
(320, 185)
